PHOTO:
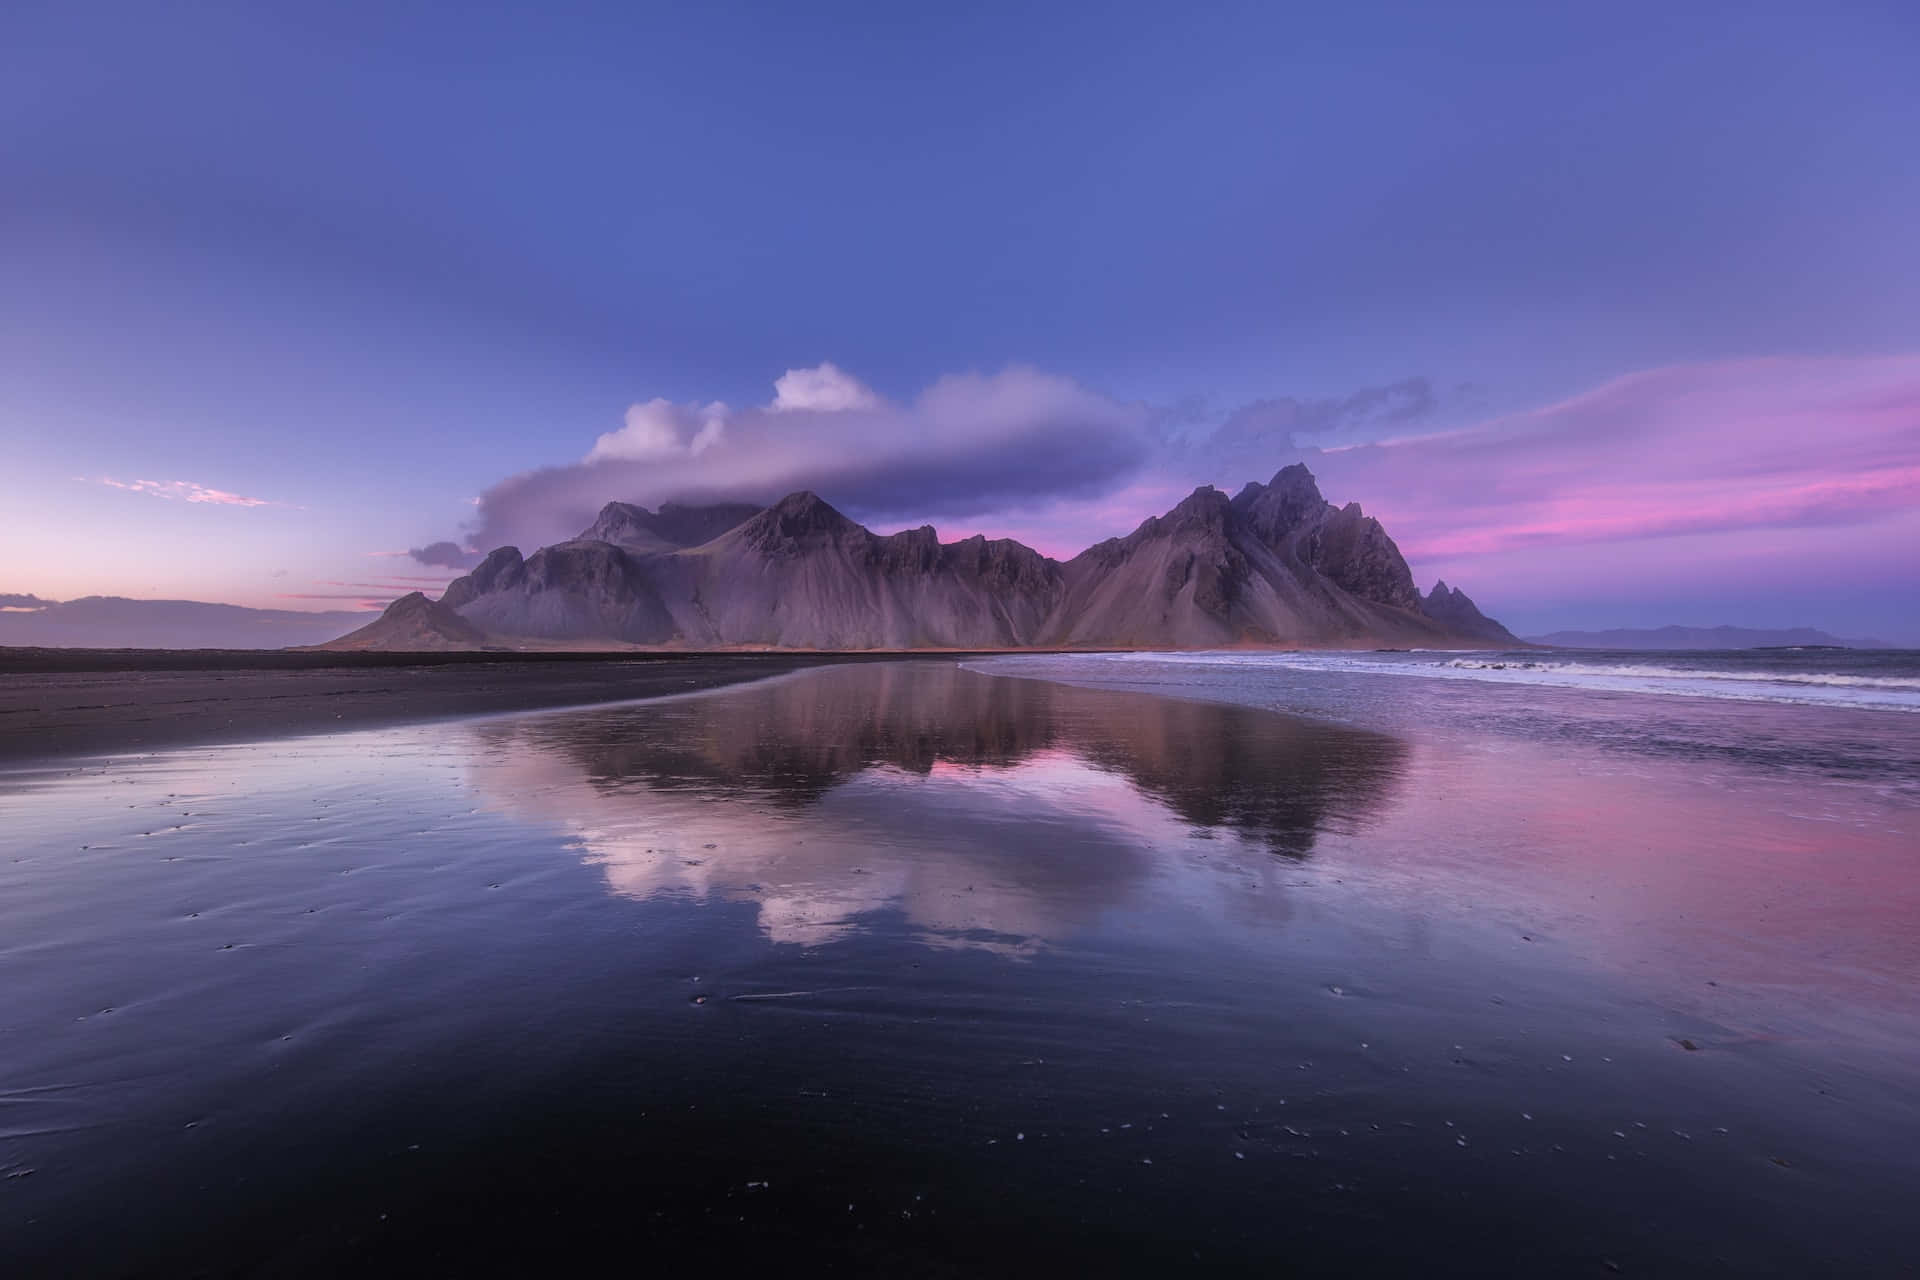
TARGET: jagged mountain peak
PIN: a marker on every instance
(1294, 479)
(622, 523)
(1206, 504)
(1454, 609)
(674, 525)
(1289, 501)
(796, 518)
(1275, 564)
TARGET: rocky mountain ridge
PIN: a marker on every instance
(1276, 565)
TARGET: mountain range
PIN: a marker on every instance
(1672, 638)
(117, 622)
(1274, 565)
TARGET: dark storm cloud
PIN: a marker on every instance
(450, 555)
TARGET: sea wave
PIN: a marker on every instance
(1773, 683)
(1578, 669)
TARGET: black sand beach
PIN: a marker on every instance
(66, 701)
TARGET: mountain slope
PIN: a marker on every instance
(1276, 564)
(413, 624)
(802, 575)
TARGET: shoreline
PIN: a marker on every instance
(131, 701)
(57, 703)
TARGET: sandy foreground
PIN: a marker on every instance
(64, 702)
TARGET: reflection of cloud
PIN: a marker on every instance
(993, 813)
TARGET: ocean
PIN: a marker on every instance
(1782, 713)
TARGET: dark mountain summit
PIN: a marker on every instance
(1451, 607)
(1276, 564)
(673, 525)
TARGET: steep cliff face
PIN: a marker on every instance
(802, 575)
(571, 591)
(1177, 581)
(1275, 565)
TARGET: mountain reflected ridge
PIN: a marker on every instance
(1007, 812)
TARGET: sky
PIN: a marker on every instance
(1611, 313)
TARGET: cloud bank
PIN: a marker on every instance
(968, 444)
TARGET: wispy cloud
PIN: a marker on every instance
(402, 584)
(1696, 478)
(187, 491)
(1741, 444)
(362, 598)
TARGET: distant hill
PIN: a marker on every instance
(115, 622)
(1276, 565)
(1699, 638)
(414, 624)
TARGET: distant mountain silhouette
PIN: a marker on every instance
(1699, 638)
(115, 622)
(1275, 565)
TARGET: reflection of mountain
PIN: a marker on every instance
(986, 808)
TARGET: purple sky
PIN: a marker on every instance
(1613, 318)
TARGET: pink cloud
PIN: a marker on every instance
(1729, 448)
(187, 491)
(366, 601)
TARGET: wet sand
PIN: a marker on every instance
(904, 969)
(57, 702)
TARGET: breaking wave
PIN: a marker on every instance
(1578, 670)
(1885, 684)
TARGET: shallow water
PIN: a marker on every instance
(914, 968)
(1852, 679)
